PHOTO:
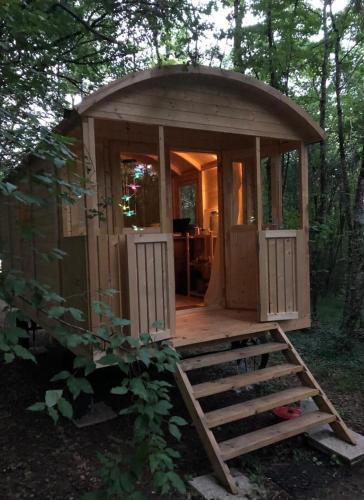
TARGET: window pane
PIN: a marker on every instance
(139, 193)
(291, 185)
(187, 202)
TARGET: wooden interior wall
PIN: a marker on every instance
(209, 194)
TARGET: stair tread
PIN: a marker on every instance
(231, 355)
(259, 405)
(236, 381)
(254, 440)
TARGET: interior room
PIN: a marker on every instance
(195, 224)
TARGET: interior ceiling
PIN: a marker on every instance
(196, 159)
(181, 161)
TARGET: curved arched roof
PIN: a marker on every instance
(280, 102)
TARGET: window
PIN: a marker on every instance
(280, 189)
(139, 200)
(188, 202)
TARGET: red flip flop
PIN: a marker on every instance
(287, 412)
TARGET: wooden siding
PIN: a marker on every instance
(74, 275)
(188, 103)
(73, 214)
(151, 284)
(109, 265)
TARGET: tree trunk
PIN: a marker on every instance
(346, 200)
(323, 103)
(273, 80)
(239, 11)
(355, 277)
(318, 251)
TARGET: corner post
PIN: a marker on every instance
(92, 219)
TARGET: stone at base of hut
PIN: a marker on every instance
(326, 441)
(209, 488)
(98, 413)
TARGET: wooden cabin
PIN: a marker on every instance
(189, 225)
(175, 157)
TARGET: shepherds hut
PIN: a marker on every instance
(193, 233)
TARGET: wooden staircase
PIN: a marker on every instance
(205, 422)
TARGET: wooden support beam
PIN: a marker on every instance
(258, 185)
(276, 191)
(303, 241)
(165, 184)
(92, 220)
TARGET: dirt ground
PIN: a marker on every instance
(41, 461)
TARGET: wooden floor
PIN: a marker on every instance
(188, 302)
(202, 326)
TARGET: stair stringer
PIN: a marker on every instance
(322, 401)
(209, 442)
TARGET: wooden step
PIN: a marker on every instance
(237, 381)
(260, 405)
(231, 355)
(258, 439)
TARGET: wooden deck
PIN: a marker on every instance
(202, 326)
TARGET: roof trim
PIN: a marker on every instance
(246, 81)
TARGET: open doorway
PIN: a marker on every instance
(195, 224)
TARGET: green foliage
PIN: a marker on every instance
(55, 52)
(149, 407)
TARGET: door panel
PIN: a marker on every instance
(151, 284)
(242, 269)
(280, 268)
(240, 232)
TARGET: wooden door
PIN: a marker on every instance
(283, 275)
(151, 284)
(239, 231)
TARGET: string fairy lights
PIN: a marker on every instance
(132, 175)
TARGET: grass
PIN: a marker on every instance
(331, 355)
